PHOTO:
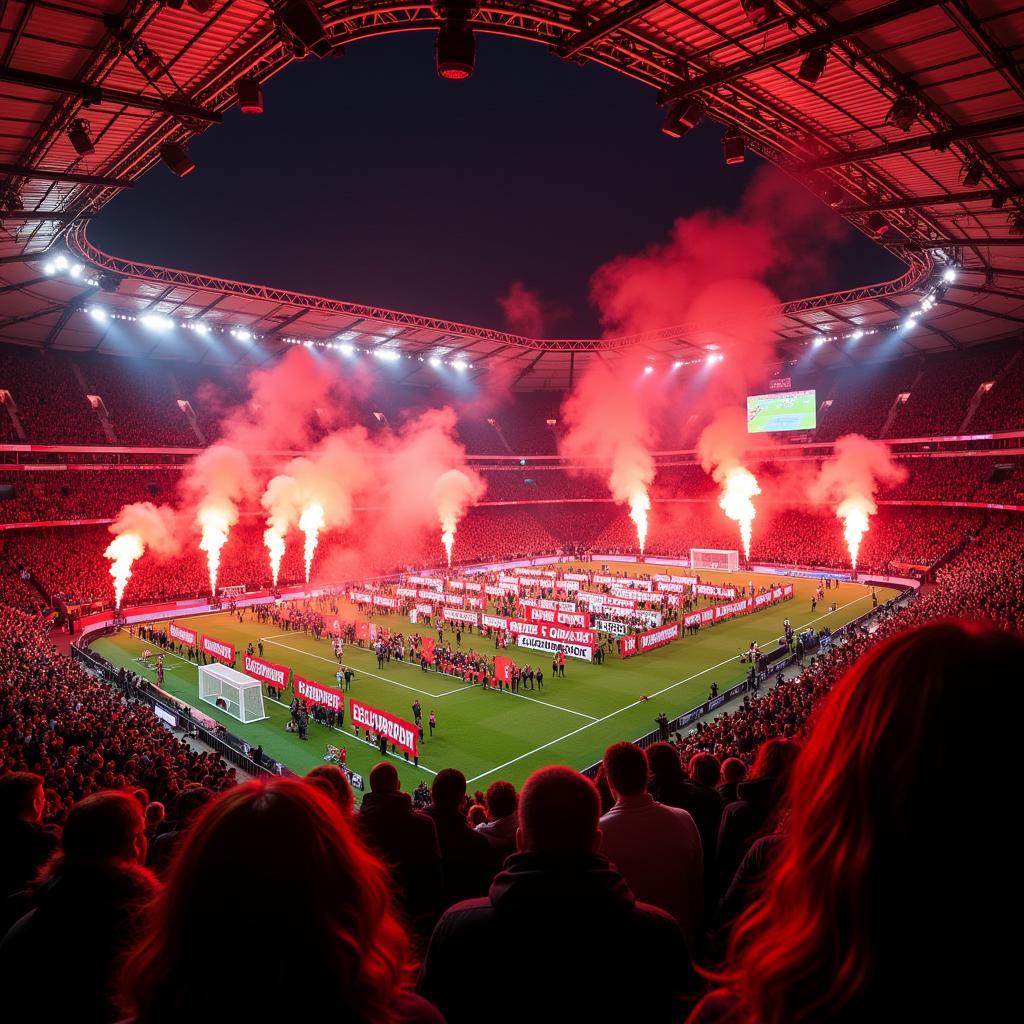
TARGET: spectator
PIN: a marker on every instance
(155, 815)
(591, 951)
(85, 912)
(187, 808)
(465, 854)
(406, 840)
(656, 848)
(860, 919)
(733, 773)
(334, 782)
(755, 812)
(334, 946)
(500, 828)
(27, 843)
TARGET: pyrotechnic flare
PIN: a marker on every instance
(639, 506)
(311, 522)
(122, 552)
(738, 488)
(275, 546)
(215, 524)
(851, 478)
(454, 492)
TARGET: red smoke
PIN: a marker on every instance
(524, 311)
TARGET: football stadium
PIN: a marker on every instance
(591, 511)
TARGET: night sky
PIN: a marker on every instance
(370, 179)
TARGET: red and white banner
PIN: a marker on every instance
(708, 590)
(496, 591)
(402, 734)
(556, 634)
(380, 601)
(458, 615)
(584, 652)
(182, 635)
(219, 649)
(580, 577)
(456, 585)
(747, 604)
(429, 595)
(543, 602)
(318, 693)
(427, 581)
(406, 591)
(425, 609)
(476, 587)
(578, 620)
(639, 643)
(360, 597)
(456, 599)
(503, 669)
(276, 675)
(494, 621)
(672, 588)
(664, 577)
(476, 602)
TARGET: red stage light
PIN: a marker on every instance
(250, 95)
(176, 157)
(456, 50)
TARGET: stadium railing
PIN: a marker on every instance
(176, 714)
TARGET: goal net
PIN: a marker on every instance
(714, 558)
(237, 694)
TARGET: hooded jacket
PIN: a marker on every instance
(560, 936)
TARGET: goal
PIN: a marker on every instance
(237, 694)
(713, 558)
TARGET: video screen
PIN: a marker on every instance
(790, 410)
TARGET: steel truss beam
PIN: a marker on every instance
(94, 94)
(947, 199)
(605, 26)
(38, 174)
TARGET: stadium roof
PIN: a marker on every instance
(913, 131)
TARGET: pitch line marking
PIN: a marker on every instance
(192, 664)
(637, 703)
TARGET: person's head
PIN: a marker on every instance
(154, 814)
(854, 917)
(448, 789)
(191, 800)
(476, 815)
(331, 925)
(334, 782)
(501, 800)
(22, 797)
(625, 768)
(704, 769)
(663, 759)
(733, 771)
(105, 828)
(559, 811)
(775, 760)
(384, 778)
(140, 794)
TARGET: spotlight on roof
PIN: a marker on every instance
(199, 327)
(241, 334)
(677, 364)
(733, 147)
(950, 274)
(819, 341)
(177, 159)
(98, 313)
(79, 136)
(250, 96)
(648, 368)
(903, 113)
(76, 270)
(877, 224)
(346, 348)
(813, 65)
(682, 115)
(460, 365)
(857, 335)
(109, 281)
(434, 361)
(759, 12)
(303, 21)
(972, 173)
(49, 268)
(455, 50)
(388, 355)
(155, 323)
(61, 263)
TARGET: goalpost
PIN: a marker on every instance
(714, 558)
(239, 695)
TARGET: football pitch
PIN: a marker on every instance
(492, 734)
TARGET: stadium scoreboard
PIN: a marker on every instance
(787, 410)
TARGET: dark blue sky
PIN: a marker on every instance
(370, 179)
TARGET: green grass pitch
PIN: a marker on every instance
(489, 734)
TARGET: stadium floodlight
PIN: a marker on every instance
(460, 365)
(80, 138)
(648, 368)
(199, 327)
(49, 268)
(972, 173)
(98, 313)
(819, 341)
(250, 96)
(950, 274)
(682, 115)
(877, 224)
(75, 270)
(61, 263)
(857, 335)
(156, 323)
(388, 355)
(434, 361)
(241, 334)
(177, 159)
(759, 12)
(346, 348)
(813, 65)
(733, 147)
(455, 50)
(903, 113)
(677, 364)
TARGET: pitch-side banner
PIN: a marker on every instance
(672, 588)
(219, 649)
(318, 693)
(543, 602)
(707, 590)
(360, 597)
(380, 601)
(460, 615)
(406, 591)
(748, 604)
(534, 613)
(639, 643)
(649, 619)
(664, 577)
(584, 652)
(402, 734)
(427, 581)
(579, 577)
(275, 675)
(182, 635)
